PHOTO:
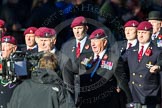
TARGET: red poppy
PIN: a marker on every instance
(0, 67)
(160, 36)
(87, 47)
(148, 52)
(105, 57)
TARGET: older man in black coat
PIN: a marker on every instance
(100, 72)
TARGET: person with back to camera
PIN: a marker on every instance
(45, 89)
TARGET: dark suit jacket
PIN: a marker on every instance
(68, 69)
(122, 45)
(100, 90)
(6, 93)
(69, 48)
(156, 40)
(144, 85)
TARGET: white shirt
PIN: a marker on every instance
(145, 47)
(101, 54)
(82, 42)
(156, 34)
(134, 42)
(53, 50)
(35, 46)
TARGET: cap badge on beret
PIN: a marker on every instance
(83, 22)
(133, 24)
(97, 36)
(145, 28)
(6, 39)
(31, 31)
(46, 34)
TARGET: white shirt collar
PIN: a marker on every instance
(35, 46)
(133, 42)
(101, 54)
(156, 34)
(82, 42)
(145, 46)
(53, 50)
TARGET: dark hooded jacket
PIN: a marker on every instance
(44, 90)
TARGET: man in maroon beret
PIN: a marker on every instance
(30, 39)
(7, 85)
(2, 27)
(130, 30)
(77, 45)
(97, 68)
(144, 81)
(46, 39)
(80, 44)
(8, 79)
(9, 45)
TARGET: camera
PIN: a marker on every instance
(19, 64)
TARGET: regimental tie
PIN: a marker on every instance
(129, 45)
(140, 54)
(98, 60)
(78, 50)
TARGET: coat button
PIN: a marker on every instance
(141, 76)
(2, 92)
(134, 74)
(139, 85)
(132, 82)
(1, 106)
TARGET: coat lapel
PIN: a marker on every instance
(73, 49)
(87, 46)
(144, 57)
(134, 57)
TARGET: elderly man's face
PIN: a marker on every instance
(130, 33)
(156, 24)
(7, 49)
(30, 40)
(98, 45)
(143, 36)
(45, 44)
(79, 32)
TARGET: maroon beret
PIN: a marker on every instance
(9, 39)
(30, 30)
(144, 25)
(98, 33)
(53, 31)
(44, 32)
(131, 23)
(78, 21)
(2, 23)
